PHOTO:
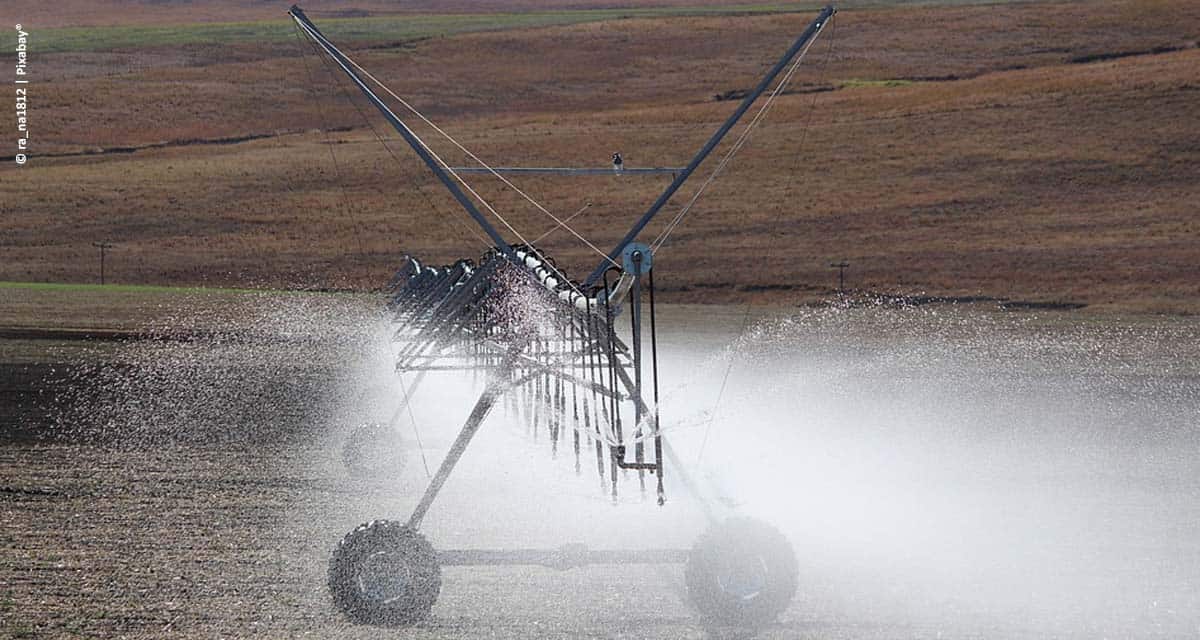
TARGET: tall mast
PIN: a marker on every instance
(438, 170)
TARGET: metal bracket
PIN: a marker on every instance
(637, 258)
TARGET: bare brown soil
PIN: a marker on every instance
(180, 543)
(1041, 152)
(223, 526)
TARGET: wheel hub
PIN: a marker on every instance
(385, 577)
(743, 578)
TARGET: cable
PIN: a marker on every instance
(446, 167)
(746, 315)
(712, 415)
(506, 181)
(366, 120)
(568, 219)
(441, 163)
(737, 145)
(413, 419)
(423, 145)
(337, 171)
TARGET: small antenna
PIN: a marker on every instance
(103, 246)
(841, 267)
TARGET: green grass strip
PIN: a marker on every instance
(124, 288)
(855, 83)
(71, 287)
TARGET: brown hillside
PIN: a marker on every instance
(1035, 152)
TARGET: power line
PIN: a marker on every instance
(103, 246)
(841, 267)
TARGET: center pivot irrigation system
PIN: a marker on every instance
(550, 350)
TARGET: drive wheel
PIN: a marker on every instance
(384, 573)
(741, 573)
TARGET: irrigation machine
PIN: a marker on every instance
(549, 348)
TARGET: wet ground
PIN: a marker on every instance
(941, 472)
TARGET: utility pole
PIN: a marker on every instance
(841, 267)
(102, 246)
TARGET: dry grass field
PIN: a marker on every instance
(71, 13)
(1042, 152)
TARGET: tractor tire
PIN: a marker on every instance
(742, 573)
(373, 450)
(383, 573)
